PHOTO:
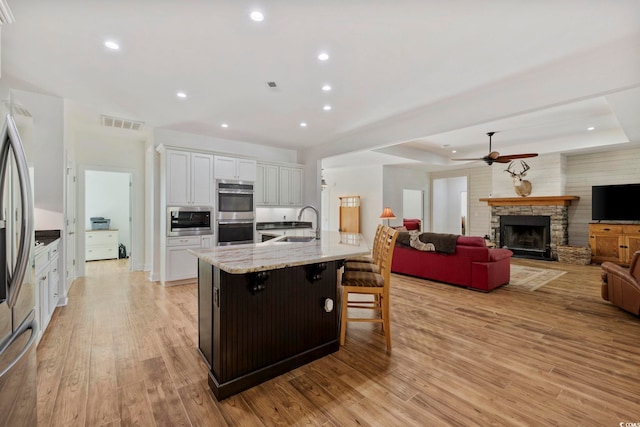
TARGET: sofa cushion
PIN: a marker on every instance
(471, 241)
(497, 254)
(411, 223)
(362, 279)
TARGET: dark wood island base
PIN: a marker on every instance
(255, 326)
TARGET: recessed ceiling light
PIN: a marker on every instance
(257, 16)
(224, 125)
(326, 88)
(326, 107)
(181, 95)
(454, 151)
(303, 124)
(323, 56)
(112, 45)
(590, 128)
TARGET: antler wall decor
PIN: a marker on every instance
(521, 186)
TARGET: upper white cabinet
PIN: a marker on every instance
(291, 185)
(279, 185)
(234, 168)
(267, 184)
(189, 178)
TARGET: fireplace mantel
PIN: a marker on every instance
(530, 201)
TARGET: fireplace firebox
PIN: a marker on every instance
(526, 236)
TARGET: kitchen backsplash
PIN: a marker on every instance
(276, 214)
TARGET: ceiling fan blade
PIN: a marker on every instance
(502, 159)
(518, 156)
(495, 157)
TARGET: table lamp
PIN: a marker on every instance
(387, 214)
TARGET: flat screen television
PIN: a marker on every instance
(615, 202)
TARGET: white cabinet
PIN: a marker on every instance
(180, 264)
(279, 185)
(291, 186)
(101, 244)
(234, 168)
(266, 185)
(189, 178)
(47, 280)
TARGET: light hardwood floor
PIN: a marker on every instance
(124, 352)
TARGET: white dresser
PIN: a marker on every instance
(101, 244)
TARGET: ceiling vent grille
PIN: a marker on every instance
(6, 17)
(116, 122)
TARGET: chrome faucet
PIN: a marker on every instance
(317, 219)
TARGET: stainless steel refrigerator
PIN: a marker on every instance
(18, 327)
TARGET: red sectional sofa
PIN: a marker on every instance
(473, 264)
(412, 224)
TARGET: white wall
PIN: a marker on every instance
(546, 175)
(46, 155)
(584, 171)
(479, 180)
(413, 204)
(107, 195)
(363, 181)
(396, 179)
(115, 151)
(447, 206)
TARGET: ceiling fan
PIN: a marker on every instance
(495, 157)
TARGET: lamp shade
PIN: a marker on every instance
(387, 213)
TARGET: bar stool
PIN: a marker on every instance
(370, 283)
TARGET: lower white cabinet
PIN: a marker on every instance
(101, 244)
(47, 280)
(180, 264)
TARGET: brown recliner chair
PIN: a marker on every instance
(621, 286)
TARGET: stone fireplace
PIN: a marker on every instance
(534, 226)
(528, 236)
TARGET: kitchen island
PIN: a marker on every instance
(267, 308)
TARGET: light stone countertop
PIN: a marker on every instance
(274, 254)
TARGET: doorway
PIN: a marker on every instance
(449, 205)
(107, 206)
(413, 205)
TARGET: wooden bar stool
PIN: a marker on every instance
(370, 283)
(368, 263)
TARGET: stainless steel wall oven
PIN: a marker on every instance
(234, 200)
(235, 212)
(189, 221)
(234, 232)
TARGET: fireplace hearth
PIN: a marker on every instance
(526, 236)
(554, 207)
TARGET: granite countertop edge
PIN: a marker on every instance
(273, 255)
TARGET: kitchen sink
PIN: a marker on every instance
(297, 239)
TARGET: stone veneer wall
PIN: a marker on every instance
(559, 216)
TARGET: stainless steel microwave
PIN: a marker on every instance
(189, 221)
